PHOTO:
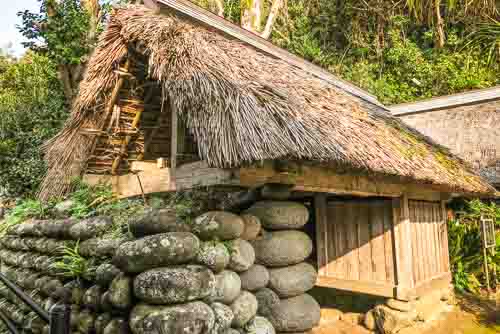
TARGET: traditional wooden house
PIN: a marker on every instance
(467, 123)
(176, 97)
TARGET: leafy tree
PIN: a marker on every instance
(65, 31)
(31, 111)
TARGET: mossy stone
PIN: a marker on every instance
(280, 215)
(120, 292)
(255, 278)
(244, 308)
(296, 314)
(218, 224)
(282, 248)
(156, 251)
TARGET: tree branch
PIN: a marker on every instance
(273, 14)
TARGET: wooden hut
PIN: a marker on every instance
(175, 97)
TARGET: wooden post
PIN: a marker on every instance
(321, 233)
(402, 249)
(173, 144)
(446, 255)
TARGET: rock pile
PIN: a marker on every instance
(220, 273)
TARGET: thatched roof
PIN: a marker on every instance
(243, 105)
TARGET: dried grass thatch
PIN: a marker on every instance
(243, 106)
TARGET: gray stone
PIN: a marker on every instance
(276, 215)
(369, 321)
(296, 314)
(63, 208)
(390, 321)
(293, 280)
(230, 331)
(244, 309)
(155, 221)
(214, 255)
(106, 305)
(156, 251)
(276, 191)
(259, 325)
(282, 248)
(174, 284)
(92, 297)
(218, 224)
(242, 255)
(101, 322)
(90, 228)
(252, 227)
(223, 316)
(268, 300)
(117, 326)
(399, 305)
(255, 278)
(227, 287)
(105, 273)
(191, 318)
(57, 228)
(86, 322)
(76, 289)
(51, 287)
(120, 292)
(100, 247)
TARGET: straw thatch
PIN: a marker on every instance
(242, 106)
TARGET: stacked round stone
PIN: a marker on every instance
(282, 249)
(187, 274)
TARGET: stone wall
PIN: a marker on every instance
(471, 132)
(217, 273)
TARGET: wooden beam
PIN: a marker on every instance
(321, 233)
(173, 143)
(126, 141)
(308, 178)
(155, 180)
(371, 288)
(442, 281)
(402, 244)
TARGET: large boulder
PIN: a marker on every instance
(174, 284)
(242, 255)
(296, 314)
(223, 316)
(191, 318)
(100, 247)
(293, 280)
(57, 228)
(214, 255)
(90, 228)
(101, 322)
(157, 221)
(120, 292)
(92, 297)
(276, 215)
(259, 325)
(282, 248)
(218, 224)
(391, 321)
(117, 326)
(156, 251)
(227, 287)
(244, 309)
(105, 273)
(255, 278)
(252, 227)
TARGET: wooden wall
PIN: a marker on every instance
(429, 240)
(388, 247)
(359, 244)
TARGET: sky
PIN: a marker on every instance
(8, 21)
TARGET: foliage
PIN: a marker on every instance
(71, 264)
(465, 245)
(31, 111)
(60, 30)
(381, 49)
(26, 209)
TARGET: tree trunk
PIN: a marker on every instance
(251, 15)
(273, 14)
(440, 37)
